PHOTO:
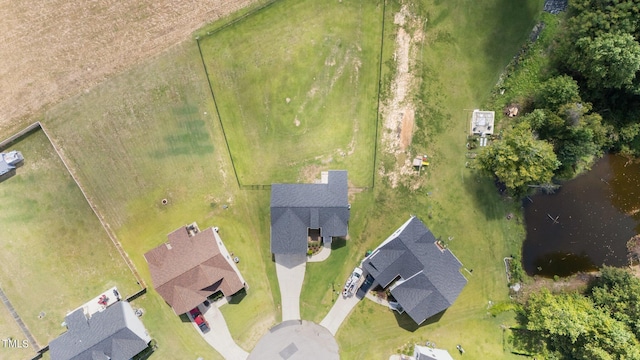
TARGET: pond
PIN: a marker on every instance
(586, 223)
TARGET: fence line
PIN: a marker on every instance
(93, 207)
(19, 321)
(375, 143)
(240, 18)
(5, 143)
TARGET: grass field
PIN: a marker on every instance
(9, 329)
(296, 87)
(151, 134)
(56, 255)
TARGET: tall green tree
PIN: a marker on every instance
(519, 160)
(610, 60)
(558, 91)
(617, 292)
(570, 326)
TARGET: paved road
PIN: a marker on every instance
(339, 313)
(219, 336)
(296, 340)
(290, 270)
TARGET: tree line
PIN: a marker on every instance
(588, 104)
(601, 324)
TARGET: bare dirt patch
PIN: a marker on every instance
(399, 110)
(54, 49)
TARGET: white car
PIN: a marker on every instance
(352, 282)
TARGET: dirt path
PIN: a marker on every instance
(399, 110)
(52, 49)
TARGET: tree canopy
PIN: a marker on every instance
(602, 324)
(519, 160)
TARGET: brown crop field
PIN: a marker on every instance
(52, 49)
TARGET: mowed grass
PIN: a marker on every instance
(9, 329)
(150, 134)
(468, 44)
(144, 136)
(296, 88)
(56, 256)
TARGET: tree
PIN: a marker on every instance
(519, 160)
(571, 326)
(610, 60)
(558, 91)
(617, 292)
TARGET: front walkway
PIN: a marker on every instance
(290, 270)
(339, 313)
(322, 255)
(219, 336)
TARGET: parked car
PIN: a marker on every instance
(352, 282)
(199, 319)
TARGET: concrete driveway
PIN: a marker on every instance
(290, 270)
(339, 313)
(219, 336)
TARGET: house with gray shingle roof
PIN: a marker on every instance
(298, 210)
(115, 333)
(8, 163)
(422, 276)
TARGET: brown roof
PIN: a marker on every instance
(187, 269)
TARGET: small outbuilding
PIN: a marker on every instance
(482, 122)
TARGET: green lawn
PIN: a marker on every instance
(296, 87)
(9, 329)
(468, 44)
(151, 134)
(56, 256)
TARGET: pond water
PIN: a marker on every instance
(586, 223)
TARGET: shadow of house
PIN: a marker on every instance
(423, 277)
(299, 211)
(114, 333)
(9, 161)
(192, 266)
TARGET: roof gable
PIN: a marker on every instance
(114, 333)
(188, 269)
(295, 208)
(430, 276)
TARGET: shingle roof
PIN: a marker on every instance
(115, 333)
(429, 277)
(297, 207)
(9, 160)
(188, 269)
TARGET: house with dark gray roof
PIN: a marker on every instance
(8, 163)
(115, 333)
(422, 276)
(299, 211)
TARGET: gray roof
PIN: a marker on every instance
(114, 333)
(429, 277)
(297, 207)
(9, 160)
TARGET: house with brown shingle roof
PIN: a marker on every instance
(192, 266)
